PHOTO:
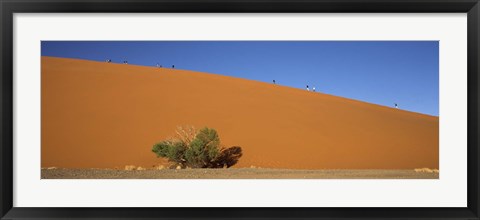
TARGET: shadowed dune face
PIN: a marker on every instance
(105, 115)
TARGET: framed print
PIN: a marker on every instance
(237, 109)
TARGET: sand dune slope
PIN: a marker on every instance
(105, 115)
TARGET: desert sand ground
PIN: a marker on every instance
(234, 173)
(106, 115)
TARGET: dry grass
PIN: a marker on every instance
(130, 167)
(426, 170)
(159, 167)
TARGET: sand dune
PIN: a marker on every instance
(105, 115)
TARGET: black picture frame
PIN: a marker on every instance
(9, 7)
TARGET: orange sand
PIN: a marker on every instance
(105, 115)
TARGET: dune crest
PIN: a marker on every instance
(106, 115)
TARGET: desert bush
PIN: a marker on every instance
(173, 150)
(197, 149)
(203, 149)
(227, 157)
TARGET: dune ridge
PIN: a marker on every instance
(106, 115)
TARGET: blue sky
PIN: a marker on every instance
(380, 72)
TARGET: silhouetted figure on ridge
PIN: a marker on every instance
(396, 106)
(173, 66)
(274, 82)
(308, 89)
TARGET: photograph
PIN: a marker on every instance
(239, 109)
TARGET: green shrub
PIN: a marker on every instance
(173, 150)
(200, 149)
